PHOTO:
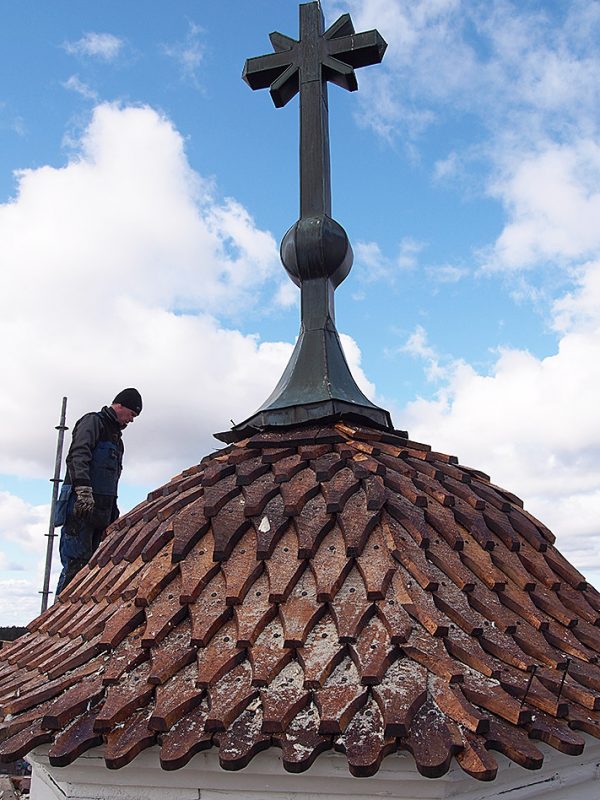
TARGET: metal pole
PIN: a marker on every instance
(56, 480)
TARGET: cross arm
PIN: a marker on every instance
(338, 72)
(261, 71)
(358, 49)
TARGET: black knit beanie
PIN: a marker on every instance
(131, 399)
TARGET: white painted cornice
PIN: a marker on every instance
(561, 778)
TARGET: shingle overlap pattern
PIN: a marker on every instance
(322, 588)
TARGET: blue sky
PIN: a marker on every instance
(144, 189)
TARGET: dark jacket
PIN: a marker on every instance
(89, 431)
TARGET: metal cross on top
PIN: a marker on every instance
(306, 66)
(317, 383)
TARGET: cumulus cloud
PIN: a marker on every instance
(418, 346)
(104, 46)
(552, 202)
(120, 268)
(132, 255)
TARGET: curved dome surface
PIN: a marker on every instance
(322, 588)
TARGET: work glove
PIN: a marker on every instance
(84, 504)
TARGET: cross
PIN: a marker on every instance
(306, 66)
(317, 383)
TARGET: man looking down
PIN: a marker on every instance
(88, 500)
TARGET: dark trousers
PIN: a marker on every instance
(79, 538)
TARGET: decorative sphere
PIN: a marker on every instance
(316, 247)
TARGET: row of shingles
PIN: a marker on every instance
(64, 639)
(498, 526)
(475, 488)
(249, 733)
(57, 643)
(461, 645)
(405, 707)
(92, 615)
(562, 738)
(246, 508)
(569, 743)
(160, 649)
(150, 656)
(361, 760)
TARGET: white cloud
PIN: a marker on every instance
(131, 255)
(373, 265)
(22, 557)
(417, 346)
(531, 423)
(188, 53)
(116, 266)
(19, 601)
(74, 84)
(287, 294)
(446, 168)
(354, 358)
(104, 46)
(408, 251)
(552, 199)
(446, 273)
(504, 62)
(21, 524)
(527, 77)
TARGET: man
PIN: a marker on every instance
(88, 502)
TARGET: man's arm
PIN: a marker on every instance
(86, 435)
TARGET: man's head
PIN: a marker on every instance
(127, 405)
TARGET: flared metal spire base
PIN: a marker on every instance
(317, 384)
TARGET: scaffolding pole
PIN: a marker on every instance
(56, 481)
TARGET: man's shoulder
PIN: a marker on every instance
(91, 419)
(88, 427)
(90, 416)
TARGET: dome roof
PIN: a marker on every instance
(318, 588)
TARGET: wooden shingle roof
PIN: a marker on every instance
(319, 588)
